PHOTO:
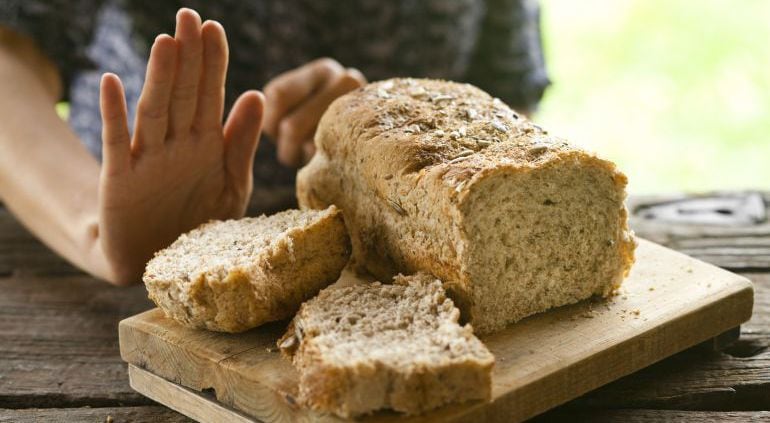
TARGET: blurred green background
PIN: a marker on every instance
(677, 92)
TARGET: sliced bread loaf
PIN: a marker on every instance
(440, 177)
(367, 347)
(233, 275)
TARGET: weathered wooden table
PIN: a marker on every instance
(59, 357)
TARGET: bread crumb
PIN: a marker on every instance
(109, 419)
(652, 288)
(636, 312)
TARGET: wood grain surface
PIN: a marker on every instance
(45, 302)
(669, 303)
(58, 344)
(153, 413)
(729, 230)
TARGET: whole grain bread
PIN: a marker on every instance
(440, 177)
(234, 275)
(372, 346)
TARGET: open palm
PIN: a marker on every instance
(183, 166)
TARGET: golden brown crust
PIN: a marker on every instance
(297, 265)
(403, 157)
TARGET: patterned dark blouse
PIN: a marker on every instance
(494, 44)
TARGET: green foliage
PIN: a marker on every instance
(677, 92)
(63, 110)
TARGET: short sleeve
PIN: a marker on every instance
(62, 29)
(508, 60)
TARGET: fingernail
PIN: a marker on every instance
(188, 10)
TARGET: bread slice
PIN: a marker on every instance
(440, 177)
(367, 347)
(233, 275)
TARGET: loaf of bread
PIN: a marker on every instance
(398, 346)
(234, 275)
(440, 177)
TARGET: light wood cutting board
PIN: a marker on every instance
(669, 303)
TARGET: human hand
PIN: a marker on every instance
(295, 101)
(183, 166)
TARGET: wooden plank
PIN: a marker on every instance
(730, 230)
(703, 380)
(22, 253)
(150, 413)
(58, 342)
(205, 408)
(669, 302)
(690, 381)
(197, 405)
(738, 378)
(654, 416)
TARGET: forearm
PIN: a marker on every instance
(48, 180)
(182, 167)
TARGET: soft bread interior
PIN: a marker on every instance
(398, 346)
(542, 238)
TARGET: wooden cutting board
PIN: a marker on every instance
(669, 303)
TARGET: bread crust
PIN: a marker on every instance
(407, 383)
(294, 267)
(403, 158)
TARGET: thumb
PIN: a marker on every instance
(241, 132)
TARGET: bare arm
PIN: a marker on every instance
(47, 178)
(182, 166)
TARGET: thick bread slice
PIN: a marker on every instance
(233, 275)
(440, 177)
(366, 347)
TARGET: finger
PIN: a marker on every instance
(289, 89)
(241, 133)
(300, 125)
(357, 75)
(116, 142)
(211, 96)
(152, 109)
(308, 151)
(185, 92)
